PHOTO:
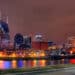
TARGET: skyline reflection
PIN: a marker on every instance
(32, 63)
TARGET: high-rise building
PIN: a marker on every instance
(38, 38)
(39, 42)
(18, 40)
(71, 41)
(4, 32)
(27, 42)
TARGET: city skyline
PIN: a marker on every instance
(53, 18)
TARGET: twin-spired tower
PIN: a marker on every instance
(4, 31)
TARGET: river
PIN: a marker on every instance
(5, 64)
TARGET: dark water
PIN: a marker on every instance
(32, 63)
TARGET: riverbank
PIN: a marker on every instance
(53, 57)
(37, 70)
(23, 58)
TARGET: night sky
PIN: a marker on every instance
(55, 19)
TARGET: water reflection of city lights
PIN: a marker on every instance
(34, 63)
(14, 64)
(1, 61)
(72, 61)
(20, 63)
(7, 64)
(24, 62)
(42, 63)
(62, 61)
(1, 64)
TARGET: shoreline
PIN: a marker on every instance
(38, 58)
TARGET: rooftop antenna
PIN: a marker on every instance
(0, 15)
(7, 19)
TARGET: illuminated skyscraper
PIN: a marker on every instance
(27, 42)
(4, 32)
(18, 40)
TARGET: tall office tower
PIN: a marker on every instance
(27, 42)
(4, 32)
(18, 40)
